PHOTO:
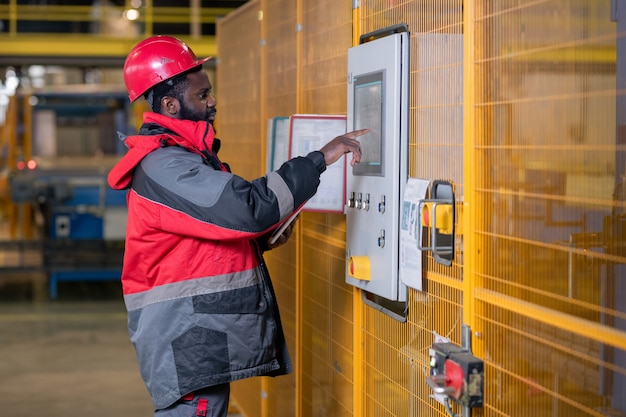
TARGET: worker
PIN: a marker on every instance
(201, 308)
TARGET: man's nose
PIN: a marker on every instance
(211, 102)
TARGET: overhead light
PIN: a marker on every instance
(11, 82)
(131, 14)
(36, 71)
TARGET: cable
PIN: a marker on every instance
(449, 408)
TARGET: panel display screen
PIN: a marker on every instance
(369, 113)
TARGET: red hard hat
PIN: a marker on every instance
(156, 59)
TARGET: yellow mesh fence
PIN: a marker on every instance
(238, 82)
(518, 105)
(279, 97)
(237, 85)
(547, 210)
(327, 335)
(397, 360)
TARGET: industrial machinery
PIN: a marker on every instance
(80, 220)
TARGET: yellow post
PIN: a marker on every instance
(13, 18)
(264, 395)
(298, 231)
(149, 20)
(11, 130)
(356, 25)
(357, 301)
(299, 296)
(265, 383)
(299, 42)
(195, 13)
(471, 217)
(263, 85)
(27, 150)
(357, 357)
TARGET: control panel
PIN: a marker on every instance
(378, 94)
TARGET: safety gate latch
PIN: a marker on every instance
(456, 374)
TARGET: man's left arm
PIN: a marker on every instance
(266, 242)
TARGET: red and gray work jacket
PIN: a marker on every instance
(201, 308)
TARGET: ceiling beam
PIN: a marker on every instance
(60, 49)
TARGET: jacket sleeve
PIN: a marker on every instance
(194, 199)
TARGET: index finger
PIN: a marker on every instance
(356, 133)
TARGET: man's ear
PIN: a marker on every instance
(170, 106)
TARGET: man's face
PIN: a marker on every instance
(197, 103)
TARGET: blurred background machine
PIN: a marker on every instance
(62, 102)
(64, 219)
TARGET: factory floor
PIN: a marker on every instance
(67, 357)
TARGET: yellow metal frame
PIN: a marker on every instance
(51, 12)
(357, 300)
(470, 217)
(63, 45)
(513, 316)
(20, 217)
(15, 43)
(596, 331)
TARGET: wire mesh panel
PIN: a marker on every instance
(326, 37)
(518, 104)
(396, 355)
(239, 86)
(327, 323)
(280, 393)
(327, 326)
(279, 66)
(281, 58)
(549, 167)
(239, 124)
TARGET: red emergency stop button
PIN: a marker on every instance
(454, 378)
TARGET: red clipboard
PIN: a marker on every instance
(310, 132)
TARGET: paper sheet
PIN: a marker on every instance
(410, 256)
(310, 132)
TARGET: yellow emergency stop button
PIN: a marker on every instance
(359, 267)
(442, 214)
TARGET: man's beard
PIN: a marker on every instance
(196, 116)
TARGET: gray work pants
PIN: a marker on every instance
(207, 402)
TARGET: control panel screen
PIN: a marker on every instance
(368, 113)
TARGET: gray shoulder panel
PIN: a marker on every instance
(183, 173)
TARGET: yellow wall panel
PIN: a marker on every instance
(238, 76)
(521, 105)
(238, 122)
(279, 92)
(546, 129)
(515, 103)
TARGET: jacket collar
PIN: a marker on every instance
(156, 132)
(195, 136)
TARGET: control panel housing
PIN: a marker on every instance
(378, 96)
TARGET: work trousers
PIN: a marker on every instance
(207, 402)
